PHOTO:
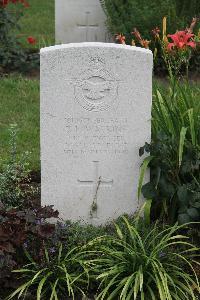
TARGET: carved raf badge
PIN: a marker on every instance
(96, 89)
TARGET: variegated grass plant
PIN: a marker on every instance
(144, 263)
(174, 153)
(176, 113)
(52, 279)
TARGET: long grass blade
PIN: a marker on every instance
(181, 144)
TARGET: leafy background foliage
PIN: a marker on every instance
(13, 56)
(124, 15)
(38, 24)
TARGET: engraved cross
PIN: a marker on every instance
(87, 26)
(96, 183)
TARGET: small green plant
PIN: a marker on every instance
(14, 175)
(78, 234)
(143, 262)
(58, 275)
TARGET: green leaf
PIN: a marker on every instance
(40, 286)
(147, 211)
(46, 254)
(149, 190)
(29, 256)
(183, 219)
(183, 195)
(192, 126)
(193, 213)
(60, 253)
(119, 232)
(183, 209)
(37, 274)
(54, 294)
(20, 290)
(181, 144)
(142, 173)
(196, 204)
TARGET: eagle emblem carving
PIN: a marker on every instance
(96, 90)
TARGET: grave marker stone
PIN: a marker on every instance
(95, 115)
(80, 21)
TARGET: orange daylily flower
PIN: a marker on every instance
(143, 43)
(120, 38)
(180, 40)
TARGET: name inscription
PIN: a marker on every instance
(96, 135)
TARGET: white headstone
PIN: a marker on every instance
(80, 21)
(95, 115)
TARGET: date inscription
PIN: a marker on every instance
(96, 135)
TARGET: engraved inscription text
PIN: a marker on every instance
(96, 136)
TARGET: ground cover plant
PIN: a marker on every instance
(160, 258)
(27, 238)
(22, 229)
(55, 277)
(141, 262)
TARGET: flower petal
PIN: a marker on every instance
(191, 44)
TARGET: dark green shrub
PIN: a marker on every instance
(186, 10)
(124, 15)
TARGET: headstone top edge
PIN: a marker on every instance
(93, 45)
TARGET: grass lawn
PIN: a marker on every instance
(39, 21)
(20, 105)
(19, 97)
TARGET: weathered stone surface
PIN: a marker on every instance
(80, 21)
(95, 114)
